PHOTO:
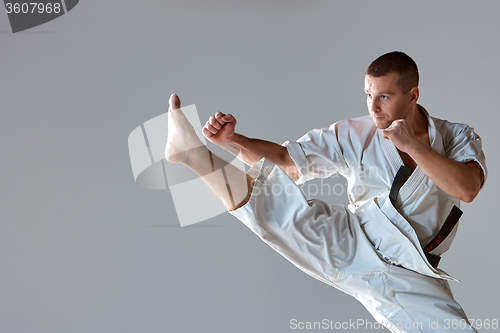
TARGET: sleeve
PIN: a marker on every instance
(317, 154)
(467, 146)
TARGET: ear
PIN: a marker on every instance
(414, 93)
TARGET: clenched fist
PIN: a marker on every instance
(220, 127)
(400, 134)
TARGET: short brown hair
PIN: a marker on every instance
(396, 62)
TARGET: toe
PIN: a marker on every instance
(174, 101)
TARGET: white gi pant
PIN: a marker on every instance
(328, 243)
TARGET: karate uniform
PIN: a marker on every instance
(371, 249)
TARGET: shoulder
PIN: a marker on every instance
(354, 130)
(460, 141)
(345, 132)
(448, 127)
(358, 126)
(451, 131)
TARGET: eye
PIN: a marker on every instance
(384, 97)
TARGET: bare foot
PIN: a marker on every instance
(181, 137)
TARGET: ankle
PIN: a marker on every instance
(197, 156)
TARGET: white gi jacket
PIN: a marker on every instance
(356, 149)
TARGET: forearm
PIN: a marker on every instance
(219, 129)
(253, 150)
(462, 181)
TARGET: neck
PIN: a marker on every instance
(418, 121)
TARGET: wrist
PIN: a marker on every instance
(236, 139)
(417, 148)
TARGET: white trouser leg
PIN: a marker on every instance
(327, 242)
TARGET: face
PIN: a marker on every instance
(386, 101)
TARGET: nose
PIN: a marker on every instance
(373, 105)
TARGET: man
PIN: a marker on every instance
(406, 172)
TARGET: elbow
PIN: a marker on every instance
(469, 195)
(294, 176)
(288, 165)
(292, 172)
(473, 184)
(467, 199)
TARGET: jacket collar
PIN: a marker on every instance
(435, 138)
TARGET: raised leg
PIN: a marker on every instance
(232, 185)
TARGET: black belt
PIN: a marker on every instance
(450, 222)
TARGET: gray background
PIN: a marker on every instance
(83, 249)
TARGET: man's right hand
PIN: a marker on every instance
(220, 128)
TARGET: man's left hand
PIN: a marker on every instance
(401, 135)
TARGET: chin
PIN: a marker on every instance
(382, 124)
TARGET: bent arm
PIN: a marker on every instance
(219, 129)
(460, 180)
